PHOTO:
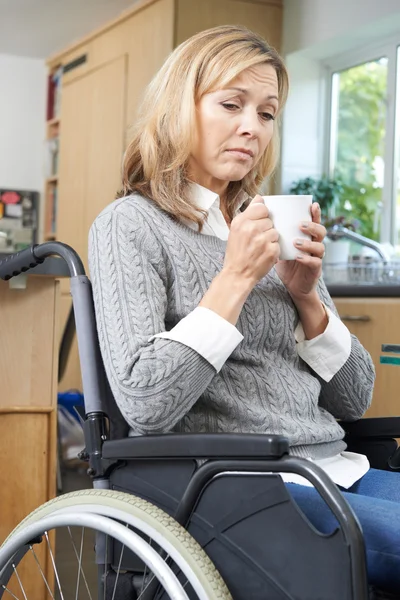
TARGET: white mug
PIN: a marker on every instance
(287, 213)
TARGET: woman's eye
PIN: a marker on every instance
(229, 106)
(267, 117)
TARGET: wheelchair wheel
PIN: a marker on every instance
(178, 551)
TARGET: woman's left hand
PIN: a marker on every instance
(301, 276)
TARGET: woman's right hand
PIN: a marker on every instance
(251, 252)
(252, 249)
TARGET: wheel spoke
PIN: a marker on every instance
(54, 565)
(119, 568)
(19, 581)
(41, 571)
(79, 562)
(152, 579)
(5, 588)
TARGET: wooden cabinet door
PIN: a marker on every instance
(74, 137)
(106, 136)
(376, 321)
(91, 149)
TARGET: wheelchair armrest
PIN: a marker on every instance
(381, 427)
(197, 445)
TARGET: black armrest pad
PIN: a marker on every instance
(382, 427)
(197, 445)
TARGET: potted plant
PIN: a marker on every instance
(325, 191)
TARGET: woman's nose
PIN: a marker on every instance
(249, 124)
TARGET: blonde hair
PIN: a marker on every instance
(156, 159)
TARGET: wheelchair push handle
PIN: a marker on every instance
(18, 263)
(29, 258)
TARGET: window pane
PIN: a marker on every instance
(396, 216)
(357, 142)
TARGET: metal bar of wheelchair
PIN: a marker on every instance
(29, 258)
(329, 492)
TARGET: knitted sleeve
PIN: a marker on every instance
(154, 381)
(349, 393)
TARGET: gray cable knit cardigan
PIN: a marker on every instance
(148, 272)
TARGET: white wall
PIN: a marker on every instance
(314, 31)
(22, 122)
(333, 25)
(303, 121)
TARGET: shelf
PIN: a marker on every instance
(53, 179)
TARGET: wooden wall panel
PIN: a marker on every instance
(74, 142)
(105, 146)
(149, 38)
(27, 342)
(25, 442)
(265, 19)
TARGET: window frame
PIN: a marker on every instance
(351, 59)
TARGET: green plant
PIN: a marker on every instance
(353, 206)
(361, 202)
(325, 191)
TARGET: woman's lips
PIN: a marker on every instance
(241, 154)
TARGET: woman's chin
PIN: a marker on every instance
(236, 174)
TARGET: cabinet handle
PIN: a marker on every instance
(362, 318)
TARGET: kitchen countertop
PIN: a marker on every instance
(373, 290)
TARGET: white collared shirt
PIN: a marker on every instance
(325, 354)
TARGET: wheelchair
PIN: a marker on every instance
(187, 516)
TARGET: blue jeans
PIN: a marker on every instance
(375, 499)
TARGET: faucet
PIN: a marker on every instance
(338, 231)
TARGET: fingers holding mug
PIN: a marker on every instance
(315, 249)
(316, 231)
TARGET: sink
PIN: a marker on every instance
(363, 278)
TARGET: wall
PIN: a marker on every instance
(331, 26)
(313, 32)
(303, 121)
(22, 122)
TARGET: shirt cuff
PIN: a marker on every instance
(327, 352)
(207, 333)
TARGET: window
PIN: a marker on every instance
(364, 140)
(358, 127)
(395, 216)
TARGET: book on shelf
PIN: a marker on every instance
(54, 93)
(54, 212)
(51, 210)
(51, 157)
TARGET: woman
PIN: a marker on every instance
(201, 327)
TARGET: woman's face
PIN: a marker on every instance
(234, 127)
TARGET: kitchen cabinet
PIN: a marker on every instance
(376, 321)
